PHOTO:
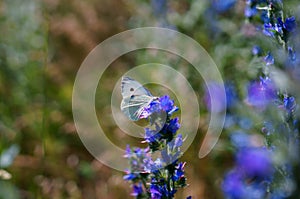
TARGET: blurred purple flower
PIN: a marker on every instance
(223, 5)
(256, 50)
(289, 103)
(250, 11)
(268, 30)
(137, 190)
(261, 93)
(240, 139)
(290, 24)
(233, 186)
(159, 7)
(245, 123)
(269, 59)
(215, 97)
(255, 162)
(155, 191)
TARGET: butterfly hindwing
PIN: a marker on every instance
(133, 106)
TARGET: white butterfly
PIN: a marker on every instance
(135, 98)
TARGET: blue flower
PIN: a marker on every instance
(173, 125)
(159, 190)
(130, 176)
(166, 103)
(155, 191)
(255, 162)
(240, 139)
(175, 143)
(250, 11)
(290, 24)
(289, 103)
(215, 97)
(268, 30)
(245, 123)
(256, 50)
(137, 190)
(159, 7)
(231, 96)
(223, 5)
(261, 93)
(269, 59)
(233, 185)
(139, 160)
(151, 136)
(292, 54)
(179, 172)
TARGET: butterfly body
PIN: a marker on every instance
(135, 98)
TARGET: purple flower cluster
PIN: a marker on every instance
(160, 178)
(263, 172)
(271, 14)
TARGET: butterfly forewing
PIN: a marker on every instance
(131, 87)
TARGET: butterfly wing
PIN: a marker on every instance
(133, 106)
(135, 98)
(131, 87)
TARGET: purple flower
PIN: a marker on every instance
(255, 162)
(268, 30)
(166, 103)
(179, 172)
(231, 96)
(289, 103)
(233, 185)
(159, 7)
(290, 24)
(153, 107)
(139, 160)
(292, 54)
(130, 176)
(223, 5)
(174, 125)
(176, 143)
(261, 93)
(215, 96)
(256, 50)
(250, 11)
(240, 139)
(158, 191)
(155, 192)
(269, 59)
(137, 190)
